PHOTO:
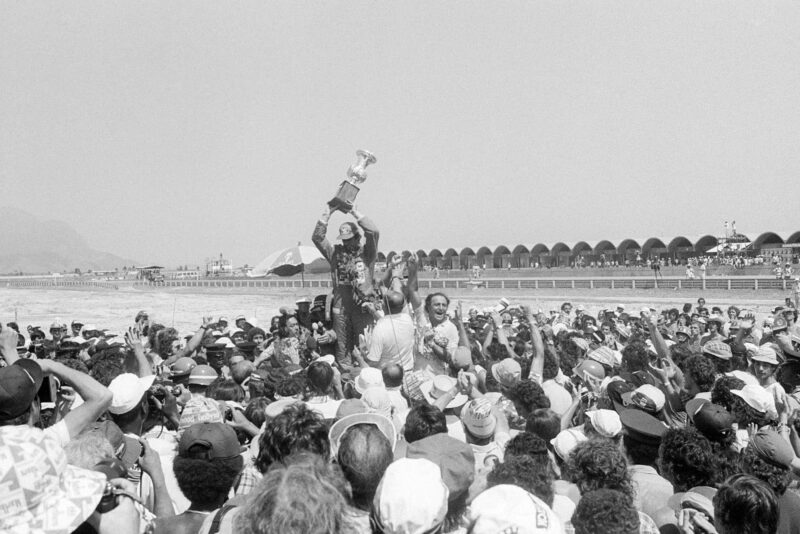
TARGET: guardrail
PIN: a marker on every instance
(726, 283)
(55, 283)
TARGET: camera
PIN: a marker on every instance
(108, 501)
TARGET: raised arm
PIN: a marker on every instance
(537, 364)
(319, 236)
(371, 236)
(412, 286)
(8, 345)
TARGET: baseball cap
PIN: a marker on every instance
(566, 440)
(509, 508)
(642, 427)
(455, 459)
(42, 493)
(773, 448)
(127, 390)
(507, 372)
(383, 423)
(779, 323)
(717, 349)
(126, 448)
(713, 421)
(346, 231)
(209, 441)
(19, 384)
(606, 422)
(646, 397)
(756, 397)
(199, 410)
(411, 497)
(478, 418)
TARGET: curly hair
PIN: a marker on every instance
(680, 353)
(640, 453)
(527, 396)
(291, 387)
(596, 464)
(721, 392)
(701, 370)
(256, 410)
(296, 429)
(108, 365)
(635, 357)
(777, 477)
(605, 510)
(74, 363)
(205, 482)
(550, 369)
(527, 444)
(422, 421)
(164, 339)
(543, 423)
(744, 414)
(305, 496)
(526, 473)
(745, 505)
(687, 459)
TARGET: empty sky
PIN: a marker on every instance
(173, 131)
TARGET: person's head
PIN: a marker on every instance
(686, 459)
(288, 327)
(320, 377)
(392, 375)
(566, 308)
(528, 444)
(598, 463)
(306, 495)
(395, 301)
(364, 454)
(526, 473)
(528, 396)
(769, 457)
(436, 305)
(207, 463)
(350, 235)
(744, 504)
(605, 510)
(296, 429)
(226, 390)
(699, 373)
(256, 410)
(256, 335)
(543, 423)
(129, 404)
(701, 302)
(292, 386)
(635, 357)
(423, 421)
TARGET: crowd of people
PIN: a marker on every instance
(374, 410)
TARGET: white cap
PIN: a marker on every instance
(127, 390)
(508, 508)
(606, 422)
(566, 440)
(411, 498)
(757, 398)
(369, 377)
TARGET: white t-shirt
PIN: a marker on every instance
(424, 357)
(393, 341)
(560, 399)
(325, 406)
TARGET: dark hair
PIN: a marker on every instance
(544, 423)
(778, 477)
(527, 444)
(527, 396)
(745, 505)
(226, 390)
(635, 357)
(306, 495)
(680, 353)
(686, 459)
(255, 331)
(550, 369)
(721, 392)
(320, 377)
(640, 453)
(598, 463)
(701, 370)
(206, 482)
(255, 410)
(744, 414)
(422, 421)
(605, 510)
(294, 430)
(526, 473)
(291, 386)
(283, 326)
(107, 365)
(364, 454)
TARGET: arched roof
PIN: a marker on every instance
(520, 249)
(604, 245)
(435, 253)
(794, 238)
(705, 242)
(679, 242)
(767, 238)
(652, 243)
(483, 251)
(466, 252)
(540, 248)
(502, 249)
(625, 244)
(581, 246)
(450, 252)
(422, 254)
(558, 248)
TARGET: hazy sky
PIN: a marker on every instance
(173, 131)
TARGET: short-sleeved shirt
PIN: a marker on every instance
(393, 341)
(424, 357)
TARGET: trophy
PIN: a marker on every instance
(356, 174)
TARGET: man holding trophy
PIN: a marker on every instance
(352, 263)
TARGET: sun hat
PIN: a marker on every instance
(455, 459)
(581, 343)
(772, 447)
(19, 385)
(350, 407)
(606, 422)
(369, 377)
(411, 385)
(717, 349)
(509, 508)
(757, 398)
(766, 354)
(42, 493)
(383, 423)
(437, 386)
(478, 418)
(566, 440)
(127, 390)
(507, 372)
(744, 376)
(411, 497)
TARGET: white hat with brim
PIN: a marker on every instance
(439, 385)
(43, 493)
(369, 377)
(766, 354)
(757, 398)
(383, 423)
(509, 508)
(127, 390)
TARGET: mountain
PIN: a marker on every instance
(33, 245)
